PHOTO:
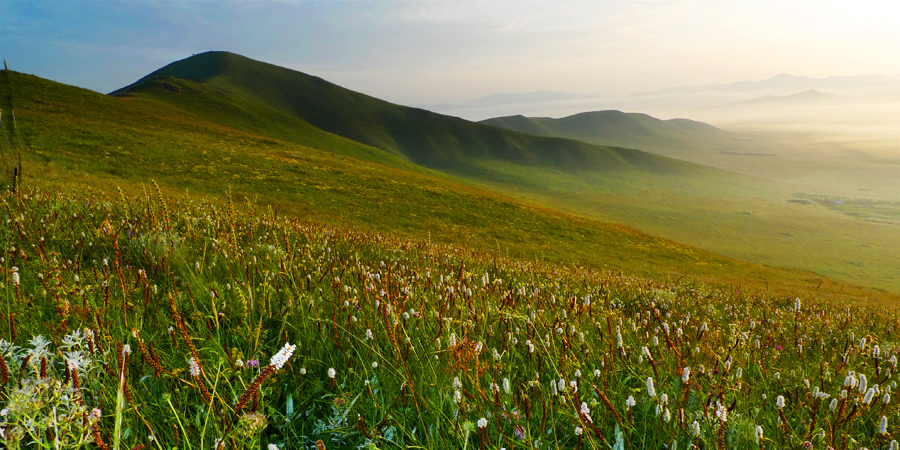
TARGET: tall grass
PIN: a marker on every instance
(163, 323)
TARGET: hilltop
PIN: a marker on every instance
(425, 138)
(672, 137)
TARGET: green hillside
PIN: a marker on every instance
(673, 137)
(426, 138)
(74, 139)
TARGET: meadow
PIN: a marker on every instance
(155, 321)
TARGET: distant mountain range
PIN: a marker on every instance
(809, 96)
(505, 98)
(667, 137)
(790, 83)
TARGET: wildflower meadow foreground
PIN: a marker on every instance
(159, 323)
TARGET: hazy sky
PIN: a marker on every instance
(421, 52)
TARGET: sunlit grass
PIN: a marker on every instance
(188, 308)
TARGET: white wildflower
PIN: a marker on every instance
(279, 359)
(195, 367)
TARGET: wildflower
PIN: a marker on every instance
(15, 278)
(759, 433)
(779, 402)
(596, 372)
(374, 364)
(331, 373)
(887, 398)
(722, 412)
(868, 397)
(686, 375)
(253, 363)
(369, 335)
(651, 391)
(629, 402)
(584, 408)
(833, 405)
(282, 356)
(578, 431)
(195, 367)
(303, 371)
(482, 423)
(272, 447)
(506, 387)
(862, 383)
(882, 425)
(695, 428)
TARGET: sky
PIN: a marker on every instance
(451, 51)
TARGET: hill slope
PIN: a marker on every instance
(672, 137)
(426, 138)
(711, 209)
(75, 139)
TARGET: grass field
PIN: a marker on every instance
(158, 322)
(175, 282)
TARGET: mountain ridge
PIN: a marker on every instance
(426, 138)
(617, 128)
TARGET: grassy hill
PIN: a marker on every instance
(673, 137)
(426, 138)
(74, 138)
(172, 281)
